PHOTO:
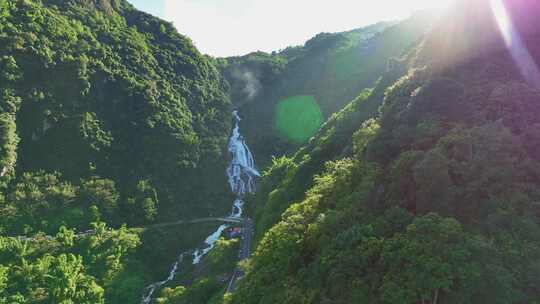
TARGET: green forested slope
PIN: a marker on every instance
(436, 201)
(106, 95)
(107, 115)
(330, 70)
(422, 189)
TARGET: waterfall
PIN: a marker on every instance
(241, 174)
(241, 171)
(237, 208)
(155, 286)
(209, 244)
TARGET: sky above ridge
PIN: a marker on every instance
(236, 27)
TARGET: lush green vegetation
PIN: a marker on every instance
(287, 179)
(99, 91)
(423, 189)
(67, 269)
(107, 115)
(434, 201)
(331, 68)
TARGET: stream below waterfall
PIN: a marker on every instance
(241, 174)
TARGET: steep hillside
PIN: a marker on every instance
(417, 178)
(435, 201)
(107, 115)
(286, 96)
(109, 97)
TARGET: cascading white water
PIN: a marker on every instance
(241, 173)
(237, 208)
(152, 288)
(210, 242)
(242, 170)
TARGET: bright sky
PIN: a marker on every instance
(236, 27)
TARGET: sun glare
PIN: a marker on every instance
(226, 28)
(514, 43)
(503, 20)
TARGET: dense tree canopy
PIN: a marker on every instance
(107, 115)
(100, 89)
(423, 189)
(434, 201)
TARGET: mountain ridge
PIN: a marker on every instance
(434, 201)
(416, 183)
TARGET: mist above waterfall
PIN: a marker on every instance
(251, 84)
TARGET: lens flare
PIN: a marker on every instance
(503, 20)
(514, 43)
(298, 118)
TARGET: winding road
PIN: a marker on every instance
(244, 253)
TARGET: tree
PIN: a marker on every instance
(101, 192)
(432, 259)
(67, 283)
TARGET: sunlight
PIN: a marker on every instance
(503, 20)
(515, 45)
(275, 25)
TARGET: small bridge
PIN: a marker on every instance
(88, 233)
(195, 221)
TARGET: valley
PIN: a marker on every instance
(242, 174)
(397, 162)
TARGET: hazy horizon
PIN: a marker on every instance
(229, 28)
